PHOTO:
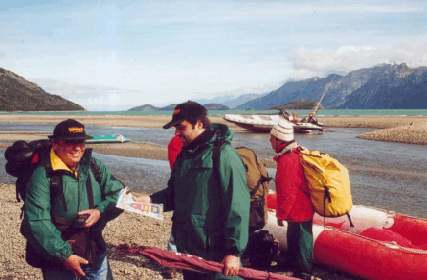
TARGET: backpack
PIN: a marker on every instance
(257, 182)
(21, 160)
(261, 250)
(329, 183)
(23, 157)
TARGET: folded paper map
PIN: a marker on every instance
(129, 202)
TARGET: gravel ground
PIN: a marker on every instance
(128, 228)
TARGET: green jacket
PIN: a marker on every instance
(43, 221)
(210, 217)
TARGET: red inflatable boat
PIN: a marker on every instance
(382, 245)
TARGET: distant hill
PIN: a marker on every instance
(230, 101)
(383, 86)
(151, 108)
(19, 94)
(145, 108)
(170, 107)
(216, 107)
(297, 105)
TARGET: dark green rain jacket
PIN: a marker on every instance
(42, 220)
(211, 214)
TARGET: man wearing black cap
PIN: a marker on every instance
(209, 196)
(70, 198)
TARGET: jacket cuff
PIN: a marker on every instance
(157, 197)
(101, 207)
(62, 256)
(233, 251)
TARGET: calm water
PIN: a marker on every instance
(323, 112)
(386, 175)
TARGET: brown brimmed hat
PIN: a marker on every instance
(70, 130)
(189, 111)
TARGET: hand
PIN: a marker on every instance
(93, 216)
(73, 263)
(280, 223)
(231, 265)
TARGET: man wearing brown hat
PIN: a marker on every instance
(70, 198)
(208, 193)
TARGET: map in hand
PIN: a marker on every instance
(127, 201)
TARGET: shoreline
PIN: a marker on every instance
(402, 129)
(157, 121)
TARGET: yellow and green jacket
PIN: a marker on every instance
(47, 215)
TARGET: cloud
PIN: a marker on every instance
(93, 97)
(320, 62)
(166, 51)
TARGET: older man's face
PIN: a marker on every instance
(70, 152)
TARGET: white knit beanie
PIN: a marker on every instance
(283, 130)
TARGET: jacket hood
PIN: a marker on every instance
(221, 132)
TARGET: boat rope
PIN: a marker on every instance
(392, 245)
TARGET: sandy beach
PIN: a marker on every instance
(401, 129)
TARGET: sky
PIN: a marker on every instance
(116, 54)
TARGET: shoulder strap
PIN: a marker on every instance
(89, 191)
(289, 148)
(56, 191)
(95, 170)
(97, 174)
(216, 157)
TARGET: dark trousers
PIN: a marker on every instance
(300, 245)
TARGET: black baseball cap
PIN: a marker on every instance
(70, 130)
(189, 111)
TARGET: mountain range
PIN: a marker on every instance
(231, 101)
(386, 86)
(151, 108)
(19, 94)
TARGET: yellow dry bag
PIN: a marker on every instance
(329, 183)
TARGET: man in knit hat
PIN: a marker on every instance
(293, 198)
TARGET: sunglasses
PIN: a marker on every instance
(74, 142)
